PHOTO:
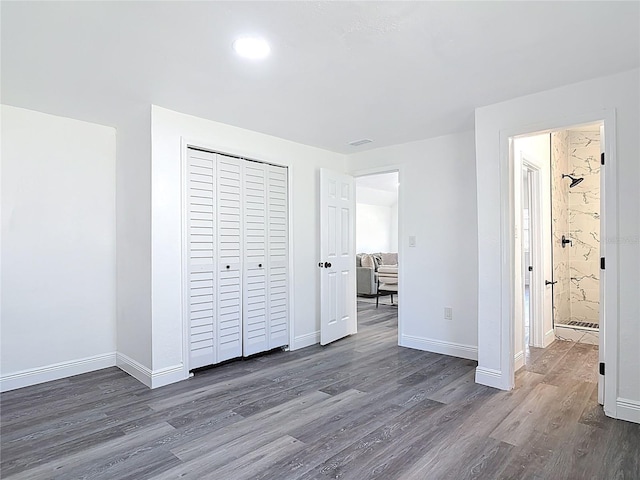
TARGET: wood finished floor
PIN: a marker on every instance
(361, 408)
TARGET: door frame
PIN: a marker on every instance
(401, 229)
(536, 249)
(221, 149)
(536, 253)
(608, 223)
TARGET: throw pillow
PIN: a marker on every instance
(368, 261)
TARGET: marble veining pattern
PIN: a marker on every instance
(576, 214)
(584, 224)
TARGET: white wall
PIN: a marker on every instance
(376, 220)
(167, 129)
(373, 228)
(58, 247)
(133, 204)
(616, 99)
(437, 204)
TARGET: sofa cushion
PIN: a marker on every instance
(359, 259)
(388, 270)
(388, 280)
(389, 258)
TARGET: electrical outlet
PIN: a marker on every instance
(448, 313)
(412, 240)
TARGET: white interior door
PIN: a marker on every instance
(229, 305)
(337, 256)
(201, 167)
(541, 259)
(543, 225)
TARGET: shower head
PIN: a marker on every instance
(574, 181)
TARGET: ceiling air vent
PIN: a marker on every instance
(357, 143)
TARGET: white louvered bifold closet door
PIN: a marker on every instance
(229, 213)
(237, 257)
(201, 288)
(255, 332)
(277, 257)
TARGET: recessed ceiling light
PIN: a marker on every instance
(251, 47)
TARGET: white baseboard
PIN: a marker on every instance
(439, 346)
(549, 338)
(168, 375)
(518, 361)
(305, 340)
(490, 378)
(56, 371)
(133, 368)
(628, 410)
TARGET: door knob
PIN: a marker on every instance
(228, 267)
(327, 265)
(547, 282)
(259, 265)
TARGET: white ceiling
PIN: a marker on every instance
(339, 71)
(381, 181)
(380, 189)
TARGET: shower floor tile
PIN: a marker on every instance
(576, 323)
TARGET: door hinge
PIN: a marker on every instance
(601, 368)
(602, 158)
(601, 263)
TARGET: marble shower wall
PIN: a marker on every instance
(576, 215)
(584, 225)
(560, 226)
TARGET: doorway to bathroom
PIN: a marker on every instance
(557, 190)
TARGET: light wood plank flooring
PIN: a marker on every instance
(361, 408)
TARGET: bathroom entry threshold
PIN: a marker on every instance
(592, 327)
